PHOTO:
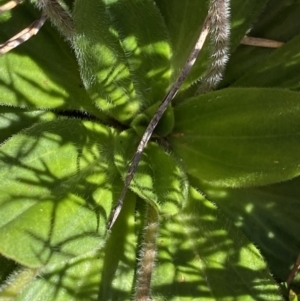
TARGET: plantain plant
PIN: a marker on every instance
(149, 150)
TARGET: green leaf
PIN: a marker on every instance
(106, 274)
(239, 137)
(123, 54)
(158, 180)
(13, 120)
(278, 70)
(279, 21)
(269, 216)
(58, 183)
(184, 21)
(164, 126)
(202, 256)
(16, 282)
(43, 72)
(7, 268)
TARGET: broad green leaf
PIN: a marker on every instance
(42, 72)
(279, 21)
(243, 15)
(202, 256)
(241, 62)
(239, 137)
(184, 20)
(280, 69)
(123, 53)
(269, 216)
(58, 183)
(158, 180)
(106, 274)
(13, 120)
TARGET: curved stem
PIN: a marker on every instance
(147, 255)
(9, 5)
(154, 121)
(23, 36)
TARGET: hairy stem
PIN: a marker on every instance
(147, 256)
(58, 16)
(219, 34)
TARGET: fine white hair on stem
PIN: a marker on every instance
(58, 15)
(147, 256)
(219, 23)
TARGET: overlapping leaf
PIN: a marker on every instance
(282, 63)
(159, 179)
(184, 21)
(164, 126)
(59, 182)
(269, 216)
(202, 256)
(123, 57)
(16, 282)
(12, 120)
(57, 188)
(7, 268)
(239, 137)
(43, 72)
(279, 21)
(106, 274)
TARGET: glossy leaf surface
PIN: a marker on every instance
(239, 137)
